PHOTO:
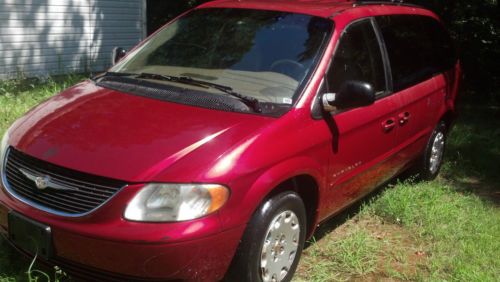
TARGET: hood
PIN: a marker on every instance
(122, 136)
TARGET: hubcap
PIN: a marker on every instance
(280, 246)
(437, 151)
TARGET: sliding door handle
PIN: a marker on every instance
(404, 117)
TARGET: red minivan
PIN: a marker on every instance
(214, 148)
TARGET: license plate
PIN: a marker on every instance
(30, 235)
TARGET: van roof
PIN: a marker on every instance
(321, 8)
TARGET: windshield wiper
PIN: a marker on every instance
(110, 73)
(249, 101)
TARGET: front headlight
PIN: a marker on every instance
(176, 202)
(3, 150)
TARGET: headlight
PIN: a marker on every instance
(3, 150)
(176, 202)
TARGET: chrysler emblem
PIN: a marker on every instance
(44, 182)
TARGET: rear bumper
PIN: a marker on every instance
(86, 248)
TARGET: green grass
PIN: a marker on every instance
(20, 95)
(10, 264)
(455, 233)
(460, 230)
(444, 230)
(355, 253)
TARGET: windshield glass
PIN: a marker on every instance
(266, 55)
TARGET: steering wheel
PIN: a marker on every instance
(292, 70)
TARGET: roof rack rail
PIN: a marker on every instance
(387, 2)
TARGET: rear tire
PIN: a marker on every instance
(430, 163)
(273, 241)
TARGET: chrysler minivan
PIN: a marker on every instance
(214, 148)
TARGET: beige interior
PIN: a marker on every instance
(266, 86)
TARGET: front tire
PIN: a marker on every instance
(272, 244)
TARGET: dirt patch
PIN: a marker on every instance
(392, 252)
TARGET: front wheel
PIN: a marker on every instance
(432, 159)
(273, 241)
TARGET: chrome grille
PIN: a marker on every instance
(85, 192)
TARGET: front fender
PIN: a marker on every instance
(246, 203)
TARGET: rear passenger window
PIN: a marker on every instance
(358, 57)
(418, 47)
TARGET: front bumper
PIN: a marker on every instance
(196, 250)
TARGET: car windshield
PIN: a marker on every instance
(266, 55)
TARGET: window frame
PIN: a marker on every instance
(385, 58)
(383, 54)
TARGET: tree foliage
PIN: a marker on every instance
(475, 27)
(161, 11)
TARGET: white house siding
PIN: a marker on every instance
(40, 37)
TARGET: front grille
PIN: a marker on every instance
(86, 192)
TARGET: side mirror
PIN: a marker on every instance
(117, 54)
(351, 94)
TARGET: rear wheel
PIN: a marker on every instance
(431, 161)
(272, 244)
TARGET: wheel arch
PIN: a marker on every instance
(302, 176)
(308, 190)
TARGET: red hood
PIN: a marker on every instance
(127, 137)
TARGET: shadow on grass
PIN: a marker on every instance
(341, 218)
(12, 264)
(17, 266)
(473, 152)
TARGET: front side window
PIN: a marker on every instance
(266, 55)
(358, 57)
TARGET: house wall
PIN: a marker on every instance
(40, 37)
